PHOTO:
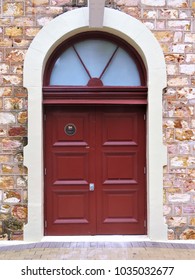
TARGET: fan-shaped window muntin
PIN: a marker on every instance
(95, 62)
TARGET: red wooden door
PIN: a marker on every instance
(95, 161)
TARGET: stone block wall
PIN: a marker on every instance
(173, 24)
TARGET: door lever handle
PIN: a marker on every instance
(91, 187)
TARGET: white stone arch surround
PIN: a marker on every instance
(50, 36)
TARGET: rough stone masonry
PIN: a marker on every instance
(173, 24)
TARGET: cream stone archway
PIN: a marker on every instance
(50, 36)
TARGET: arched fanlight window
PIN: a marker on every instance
(99, 61)
(95, 60)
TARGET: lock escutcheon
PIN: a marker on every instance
(91, 187)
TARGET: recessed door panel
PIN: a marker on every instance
(70, 129)
(120, 206)
(119, 168)
(70, 167)
(71, 207)
(120, 128)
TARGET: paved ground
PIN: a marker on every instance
(98, 251)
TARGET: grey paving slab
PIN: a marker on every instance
(144, 244)
(98, 250)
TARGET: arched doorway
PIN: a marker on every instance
(95, 98)
(46, 41)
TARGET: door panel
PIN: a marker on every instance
(119, 129)
(76, 211)
(119, 167)
(80, 120)
(77, 171)
(106, 148)
(120, 206)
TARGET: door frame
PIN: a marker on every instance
(133, 32)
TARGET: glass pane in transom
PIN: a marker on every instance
(96, 60)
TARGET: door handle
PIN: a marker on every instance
(91, 187)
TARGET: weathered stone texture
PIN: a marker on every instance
(13, 9)
(153, 3)
(39, 2)
(178, 3)
(172, 23)
(13, 31)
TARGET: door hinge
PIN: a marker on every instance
(144, 117)
(45, 224)
(144, 223)
(144, 170)
(45, 117)
(45, 171)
